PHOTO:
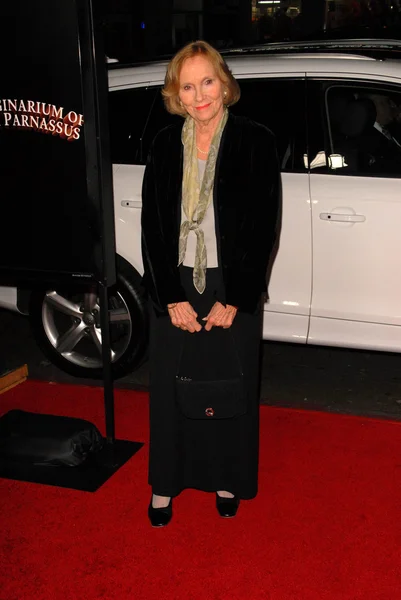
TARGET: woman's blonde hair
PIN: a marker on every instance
(172, 81)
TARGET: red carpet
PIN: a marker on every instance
(325, 525)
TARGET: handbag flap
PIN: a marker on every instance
(209, 356)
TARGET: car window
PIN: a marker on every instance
(159, 118)
(267, 101)
(279, 104)
(363, 126)
(128, 114)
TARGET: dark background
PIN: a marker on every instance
(141, 29)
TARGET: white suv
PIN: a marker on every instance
(335, 108)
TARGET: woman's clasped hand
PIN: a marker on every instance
(184, 317)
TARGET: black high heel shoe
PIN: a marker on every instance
(160, 517)
(227, 507)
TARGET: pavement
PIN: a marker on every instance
(307, 377)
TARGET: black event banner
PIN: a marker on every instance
(56, 204)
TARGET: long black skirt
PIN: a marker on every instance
(205, 455)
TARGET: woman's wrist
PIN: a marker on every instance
(172, 305)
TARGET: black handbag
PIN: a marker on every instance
(47, 440)
(209, 379)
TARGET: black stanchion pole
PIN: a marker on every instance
(108, 388)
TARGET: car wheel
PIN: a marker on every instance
(66, 326)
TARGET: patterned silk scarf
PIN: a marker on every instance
(196, 198)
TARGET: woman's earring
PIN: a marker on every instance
(225, 94)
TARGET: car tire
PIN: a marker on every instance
(73, 343)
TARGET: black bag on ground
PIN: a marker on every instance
(47, 440)
(209, 380)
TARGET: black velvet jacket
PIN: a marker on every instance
(246, 202)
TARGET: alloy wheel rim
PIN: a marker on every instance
(72, 326)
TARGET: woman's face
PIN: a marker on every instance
(201, 91)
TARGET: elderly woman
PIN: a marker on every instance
(210, 206)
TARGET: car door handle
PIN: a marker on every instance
(342, 218)
(127, 203)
